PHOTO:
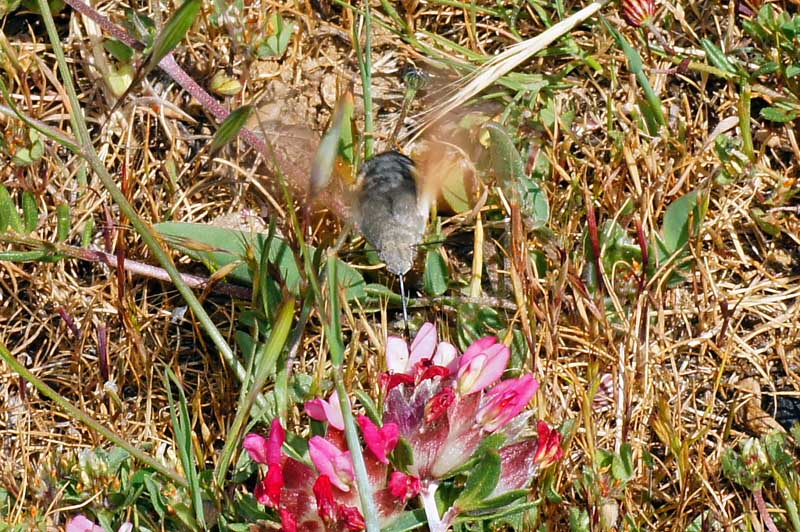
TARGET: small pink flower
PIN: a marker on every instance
(507, 399)
(329, 411)
(380, 441)
(332, 461)
(404, 486)
(256, 447)
(277, 435)
(268, 451)
(481, 368)
(549, 449)
(268, 491)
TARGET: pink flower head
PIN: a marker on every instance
(380, 441)
(549, 449)
(480, 368)
(638, 12)
(507, 399)
(329, 411)
(332, 461)
(404, 486)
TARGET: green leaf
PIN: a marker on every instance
(229, 128)
(480, 483)
(119, 50)
(278, 41)
(9, 217)
(217, 247)
(533, 203)
(578, 519)
(762, 219)
(677, 218)
(717, 58)
(521, 189)
(87, 232)
(652, 106)
(30, 211)
(779, 113)
(505, 159)
(182, 431)
(63, 221)
(173, 32)
(410, 520)
(436, 274)
(622, 464)
(325, 158)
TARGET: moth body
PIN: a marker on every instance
(391, 213)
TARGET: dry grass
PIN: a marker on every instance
(678, 356)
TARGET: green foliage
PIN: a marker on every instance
(522, 190)
(480, 483)
(277, 40)
(734, 161)
(9, 217)
(770, 458)
(218, 247)
(175, 29)
(230, 128)
(31, 153)
(651, 106)
(436, 276)
(619, 255)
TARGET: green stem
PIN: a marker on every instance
(365, 66)
(334, 332)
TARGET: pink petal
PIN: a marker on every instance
(329, 411)
(478, 346)
(481, 369)
(256, 447)
(439, 404)
(549, 450)
(404, 486)
(277, 435)
(396, 355)
(380, 441)
(332, 461)
(424, 344)
(446, 356)
(505, 401)
(80, 523)
(326, 504)
(351, 517)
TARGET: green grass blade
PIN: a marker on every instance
(181, 427)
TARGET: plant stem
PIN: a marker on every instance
(428, 497)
